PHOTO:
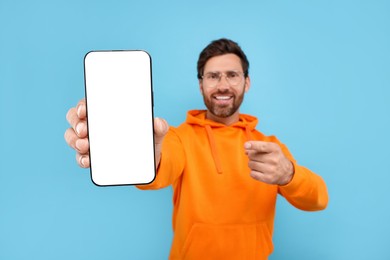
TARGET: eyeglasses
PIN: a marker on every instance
(211, 79)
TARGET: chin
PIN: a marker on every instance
(224, 113)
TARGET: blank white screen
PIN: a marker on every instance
(118, 89)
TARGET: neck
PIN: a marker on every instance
(224, 120)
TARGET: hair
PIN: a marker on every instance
(221, 47)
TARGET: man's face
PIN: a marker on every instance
(221, 97)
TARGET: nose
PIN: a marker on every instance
(223, 83)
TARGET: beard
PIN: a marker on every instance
(225, 110)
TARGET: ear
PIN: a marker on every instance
(201, 86)
(247, 83)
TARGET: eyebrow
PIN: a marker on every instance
(217, 71)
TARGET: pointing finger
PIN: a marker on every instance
(259, 146)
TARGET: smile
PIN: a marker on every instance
(223, 97)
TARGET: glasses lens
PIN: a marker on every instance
(233, 77)
(211, 79)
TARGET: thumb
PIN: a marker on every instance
(161, 128)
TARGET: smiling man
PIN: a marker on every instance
(223, 99)
(225, 174)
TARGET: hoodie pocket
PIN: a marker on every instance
(241, 242)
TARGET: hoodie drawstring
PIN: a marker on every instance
(213, 147)
(248, 133)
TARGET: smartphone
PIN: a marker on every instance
(119, 101)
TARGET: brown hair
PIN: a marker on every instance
(221, 47)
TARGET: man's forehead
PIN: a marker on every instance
(226, 62)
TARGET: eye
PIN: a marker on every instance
(212, 76)
(232, 74)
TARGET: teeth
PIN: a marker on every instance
(222, 97)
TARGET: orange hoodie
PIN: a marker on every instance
(220, 212)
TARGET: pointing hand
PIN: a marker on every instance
(268, 164)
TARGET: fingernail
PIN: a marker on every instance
(78, 144)
(247, 145)
(82, 161)
(78, 110)
(78, 128)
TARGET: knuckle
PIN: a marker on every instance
(255, 175)
(250, 155)
(253, 165)
(69, 115)
(267, 179)
(250, 164)
(82, 145)
(273, 161)
(66, 135)
(69, 136)
(270, 179)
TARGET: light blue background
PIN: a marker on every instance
(320, 82)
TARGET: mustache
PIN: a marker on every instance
(226, 91)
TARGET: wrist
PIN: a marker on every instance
(290, 170)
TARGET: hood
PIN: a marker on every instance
(198, 117)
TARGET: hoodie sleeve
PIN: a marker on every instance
(171, 164)
(307, 190)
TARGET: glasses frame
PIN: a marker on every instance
(224, 74)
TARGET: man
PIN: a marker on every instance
(225, 174)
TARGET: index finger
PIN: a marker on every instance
(81, 109)
(259, 146)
